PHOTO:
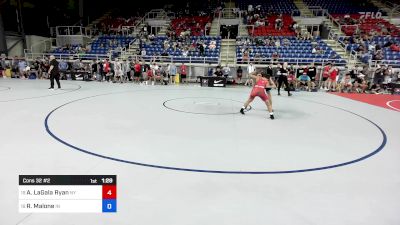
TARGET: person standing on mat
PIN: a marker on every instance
(54, 73)
(283, 78)
(268, 88)
(259, 90)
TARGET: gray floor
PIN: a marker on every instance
(190, 158)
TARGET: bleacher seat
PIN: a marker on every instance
(299, 50)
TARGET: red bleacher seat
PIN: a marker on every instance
(270, 29)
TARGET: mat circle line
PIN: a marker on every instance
(212, 114)
(389, 104)
(375, 151)
(44, 96)
(5, 88)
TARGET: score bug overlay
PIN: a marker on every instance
(67, 193)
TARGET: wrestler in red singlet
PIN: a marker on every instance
(333, 75)
(259, 90)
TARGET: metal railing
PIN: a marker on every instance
(296, 12)
(42, 46)
(318, 11)
(394, 8)
(66, 56)
(246, 27)
(160, 59)
(265, 61)
(156, 14)
(230, 13)
(340, 44)
(74, 30)
(333, 20)
(375, 63)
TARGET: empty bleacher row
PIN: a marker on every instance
(344, 6)
(368, 25)
(270, 6)
(195, 25)
(100, 47)
(269, 28)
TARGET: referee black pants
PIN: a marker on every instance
(283, 79)
(57, 78)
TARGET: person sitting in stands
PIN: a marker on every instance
(395, 47)
(278, 23)
(304, 81)
(275, 57)
(376, 89)
(286, 42)
(218, 72)
(212, 45)
(345, 84)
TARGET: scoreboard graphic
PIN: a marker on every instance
(67, 193)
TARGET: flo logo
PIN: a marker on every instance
(372, 15)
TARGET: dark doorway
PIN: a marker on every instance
(229, 31)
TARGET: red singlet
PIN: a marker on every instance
(326, 71)
(333, 74)
(259, 90)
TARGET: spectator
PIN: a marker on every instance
(239, 74)
(333, 73)
(275, 57)
(277, 43)
(201, 49)
(212, 45)
(210, 70)
(185, 53)
(22, 68)
(286, 42)
(107, 70)
(172, 72)
(304, 81)
(118, 70)
(312, 72)
(325, 76)
(183, 73)
(360, 84)
(379, 75)
(395, 47)
(293, 27)
(63, 67)
(376, 89)
(278, 22)
(218, 72)
(345, 84)
(378, 55)
(250, 69)
(226, 70)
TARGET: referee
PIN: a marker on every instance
(54, 72)
(283, 73)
